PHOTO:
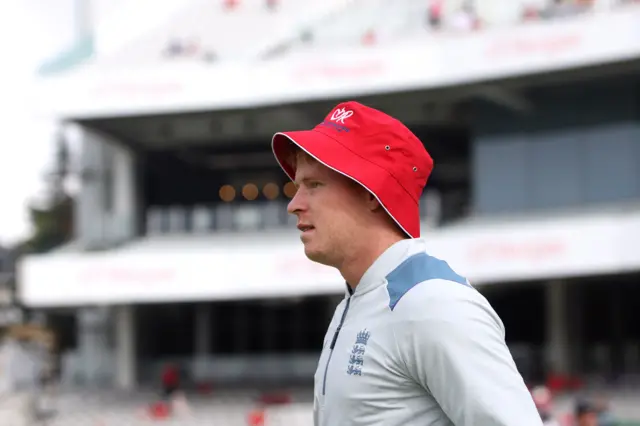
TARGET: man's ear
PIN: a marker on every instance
(372, 202)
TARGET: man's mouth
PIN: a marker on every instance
(305, 228)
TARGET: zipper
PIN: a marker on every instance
(333, 345)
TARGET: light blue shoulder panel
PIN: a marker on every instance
(416, 269)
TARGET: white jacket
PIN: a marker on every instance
(413, 345)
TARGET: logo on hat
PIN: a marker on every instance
(340, 114)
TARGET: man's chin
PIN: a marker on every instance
(315, 255)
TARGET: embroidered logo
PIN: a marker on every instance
(356, 358)
(341, 114)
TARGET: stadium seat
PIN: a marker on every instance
(562, 383)
(159, 410)
(272, 5)
(204, 388)
(556, 383)
(231, 4)
(369, 38)
(256, 417)
(275, 398)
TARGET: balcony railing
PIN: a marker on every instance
(247, 216)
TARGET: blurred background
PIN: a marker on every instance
(158, 277)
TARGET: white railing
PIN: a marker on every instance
(390, 20)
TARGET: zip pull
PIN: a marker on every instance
(335, 337)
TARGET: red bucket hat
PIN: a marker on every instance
(373, 149)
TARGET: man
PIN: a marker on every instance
(412, 343)
(586, 414)
(170, 381)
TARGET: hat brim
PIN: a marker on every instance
(396, 201)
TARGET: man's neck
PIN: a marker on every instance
(355, 267)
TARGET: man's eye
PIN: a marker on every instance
(314, 184)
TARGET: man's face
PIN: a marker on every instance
(588, 419)
(330, 209)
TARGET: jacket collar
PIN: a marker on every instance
(384, 264)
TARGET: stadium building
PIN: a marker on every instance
(184, 251)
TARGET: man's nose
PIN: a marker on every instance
(297, 203)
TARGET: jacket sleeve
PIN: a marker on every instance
(455, 349)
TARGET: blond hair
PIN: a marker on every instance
(294, 155)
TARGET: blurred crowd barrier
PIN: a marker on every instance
(100, 408)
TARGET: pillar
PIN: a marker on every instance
(203, 330)
(108, 205)
(93, 347)
(558, 348)
(202, 342)
(125, 347)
